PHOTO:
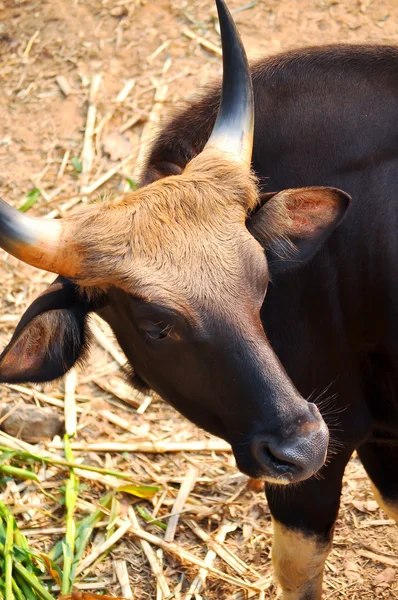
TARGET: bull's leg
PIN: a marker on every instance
(299, 557)
(303, 518)
(381, 464)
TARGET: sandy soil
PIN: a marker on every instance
(41, 132)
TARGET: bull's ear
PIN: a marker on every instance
(50, 338)
(293, 224)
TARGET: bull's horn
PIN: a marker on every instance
(233, 130)
(38, 242)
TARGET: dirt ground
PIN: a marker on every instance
(50, 53)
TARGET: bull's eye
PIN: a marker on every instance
(156, 330)
(155, 322)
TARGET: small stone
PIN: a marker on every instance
(31, 423)
(119, 11)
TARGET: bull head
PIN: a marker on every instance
(179, 271)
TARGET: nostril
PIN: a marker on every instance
(267, 455)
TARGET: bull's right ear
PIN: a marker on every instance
(51, 336)
(293, 224)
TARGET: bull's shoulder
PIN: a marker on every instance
(303, 78)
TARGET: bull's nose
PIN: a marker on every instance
(297, 456)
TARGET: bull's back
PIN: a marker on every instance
(323, 116)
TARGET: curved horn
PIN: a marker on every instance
(233, 130)
(35, 241)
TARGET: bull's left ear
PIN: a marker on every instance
(293, 224)
(51, 336)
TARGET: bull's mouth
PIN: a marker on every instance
(275, 471)
(283, 462)
(270, 470)
(280, 471)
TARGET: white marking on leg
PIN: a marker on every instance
(299, 562)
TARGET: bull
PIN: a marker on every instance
(242, 283)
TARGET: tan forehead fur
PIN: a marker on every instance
(184, 229)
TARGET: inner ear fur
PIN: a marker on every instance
(50, 338)
(293, 224)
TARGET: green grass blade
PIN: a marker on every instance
(133, 185)
(17, 591)
(33, 581)
(2, 531)
(30, 579)
(20, 540)
(76, 164)
(113, 516)
(84, 530)
(28, 593)
(149, 519)
(68, 547)
(7, 456)
(4, 511)
(24, 455)
(8, 547)
(19, 473)
(31, 200)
